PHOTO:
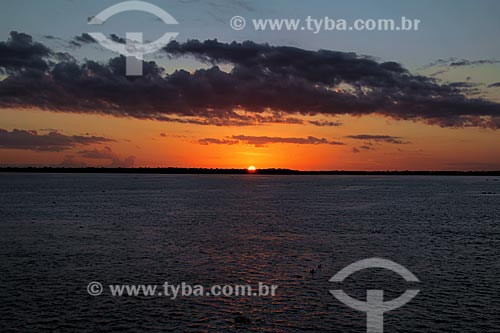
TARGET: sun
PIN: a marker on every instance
(251, 168)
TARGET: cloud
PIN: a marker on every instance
(84, 38)
(210, 141)
(438, 63)
(118, 39)
(19, 52)
(52, 141)
(467, 88)
(235, 118)
(325, 123)
(437, 73)
(106, 153)
(360, 149)
(465, 62)
(263, 140)
(267, 84)
(260, 141)
(456, 62)
(372, 140)
(378, 138)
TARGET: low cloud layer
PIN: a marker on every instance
(53, 141)
(371, 141)
(378, 138)
(260, 141)
(267, 84)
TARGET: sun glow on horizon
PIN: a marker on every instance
(252, 168)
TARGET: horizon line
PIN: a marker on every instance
(264, 171)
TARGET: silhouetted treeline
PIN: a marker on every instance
(239, 171)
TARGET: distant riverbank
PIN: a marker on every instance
(243, 171)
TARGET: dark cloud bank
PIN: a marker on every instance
(52, 141)
(286, 82)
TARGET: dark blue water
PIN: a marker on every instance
(60, 232)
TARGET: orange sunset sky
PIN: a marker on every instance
(428, 147)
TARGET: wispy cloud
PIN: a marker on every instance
(214, 141)
(465, 62)
(84, 38)
(456, 62)
(261, 141)
(360, 149)
(379, 138)
(325, 123)
(371, 141)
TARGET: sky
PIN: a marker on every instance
(217, 97)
